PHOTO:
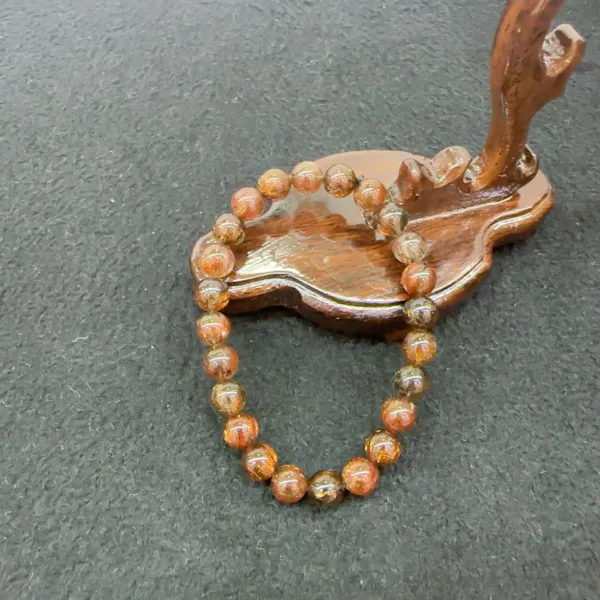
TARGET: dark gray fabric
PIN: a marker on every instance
(125, 127)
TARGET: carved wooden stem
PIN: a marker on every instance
(528, 69)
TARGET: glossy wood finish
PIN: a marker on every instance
(315, 255)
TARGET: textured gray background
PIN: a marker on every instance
(125, 127)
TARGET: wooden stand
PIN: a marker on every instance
(315, 255)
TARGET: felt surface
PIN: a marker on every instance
(125, 127)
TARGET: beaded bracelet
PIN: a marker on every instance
(383, 210)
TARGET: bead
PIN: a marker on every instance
(326, 487)
(418, 279)
(392, 220)
(411, 381)
(398, 415)
(409, 247)
(247, 204)
(288, 484)
(228, 398)
(360, 476)
(213, 329)
(382, 448)
(274, 184)
(228, 229)
(221, 363)
(259, 462)
(240, 431)
(370, 195)
(421, 312)
(419, 346)
(307, 177)
(216, 260)
(212, 294)
(339, 181)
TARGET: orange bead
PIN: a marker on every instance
(247, 204)
(411, 381)
(221, 363)
(240, 431)
(216, 260)
(212, 294)
(409, 247)
(228, 398)
(274, 184)
(419, 346)
(288, 484)
(398, 415)
(228, 229)
(382, 448)
(213, 329)
(326, 488)
(391, 220)
(370, 195)
(418, 279)
(340, 181)
(307, 177)
(259, 462)
(360, 476)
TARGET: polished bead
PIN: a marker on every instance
(370, 195)
(411, 381)
(360, 476)
(259, 462)
(247, 204)
(288, 484)
(340, 181)
(326, 487)
(212, 294)
(409, 247)
(419, 346)
(421, 312)
(213, 329)
(391, 220)
(228, 398)
(221, 363)
(418, 279)
(228, 229)
(240, 431)
(274, 184)
(307, 177)
(398, 415)
(216, 260)
(382, 448)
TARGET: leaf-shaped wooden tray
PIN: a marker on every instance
(315, 255)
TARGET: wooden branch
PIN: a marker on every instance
(529, 68)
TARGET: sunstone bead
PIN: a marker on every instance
(382, 448)
(247, 204)
(419, 346)
(213, 329)
(221, 363)
(370, 195)
(421, 312)
(228, 398)
(289, 484)
(212, 294)
(340, 181)
(307, 177)
(274, 184)
(398, 415)
(240, 431)
(326, 488)
(411, 381)
(360, 476)
(418, 279)
(409, 247)
(216, 260)
(391, 220)
(259, 462)
(228, 229)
